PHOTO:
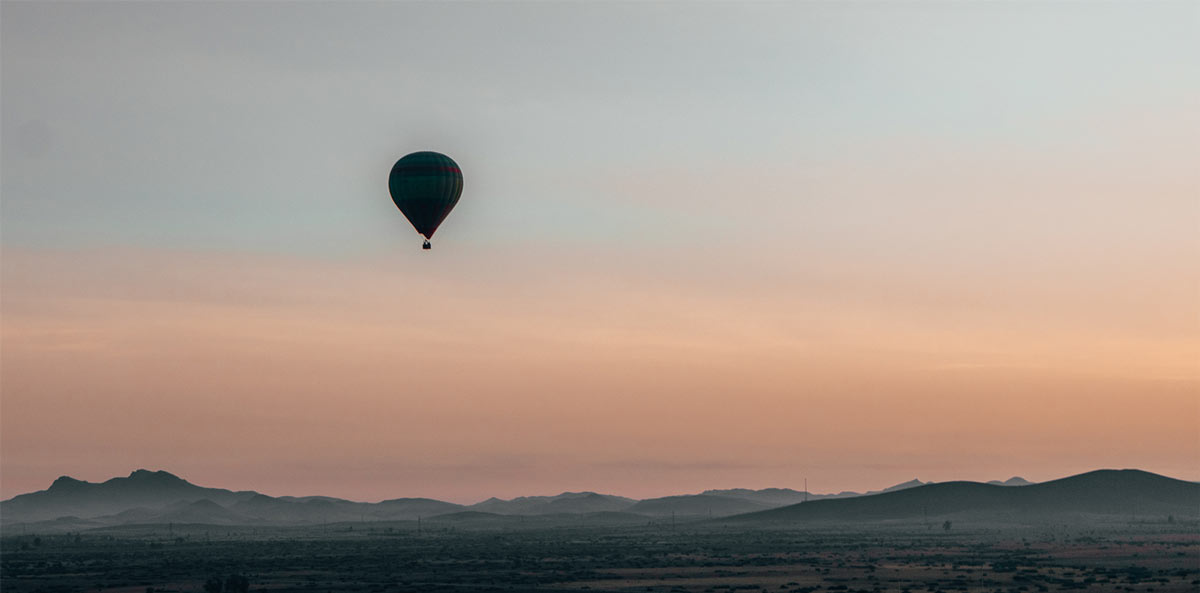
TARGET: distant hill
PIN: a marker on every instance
(1102, 492)
(68, 496)
(481, 520)
(696, 505)
(567, 502)
(411, 508)
(767, 496)
(157, 497)
(201, 511)
(775, 497)
(306, 510)
(913, 483)
(309, 510)
(1013, 481)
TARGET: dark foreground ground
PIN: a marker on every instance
(377, 557)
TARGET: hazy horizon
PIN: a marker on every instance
(485, 498)
(699, 246)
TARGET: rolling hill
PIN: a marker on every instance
(146, 497)
(696, 505)
(1013, 481)
(567, 502)
(1102, 492)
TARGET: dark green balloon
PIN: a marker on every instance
(425, 186)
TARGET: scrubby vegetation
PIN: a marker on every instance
(692, 558)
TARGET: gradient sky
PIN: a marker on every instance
(699, 246)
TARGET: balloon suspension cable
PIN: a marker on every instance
(427, 245)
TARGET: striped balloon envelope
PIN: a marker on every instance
(425, 186)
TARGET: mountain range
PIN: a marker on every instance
(1120, 493)
(158, 497)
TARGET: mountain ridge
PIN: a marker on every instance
(159, 497)
(1099, 492)
(69, 496)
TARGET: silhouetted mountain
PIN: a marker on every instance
(567, 502)
(766, 496)
(146, 497)
(913, 483)
(201, 511)
(306, 510)
(1013, 481)
(311, 498)
(134, 515)
(774, 497)
(322, 509)
(481, 520)
(1103, 492)
(696, 505)
(588, 502)
(411, 508)
(68, 496)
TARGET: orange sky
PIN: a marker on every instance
(1006, 343)
(351, 379)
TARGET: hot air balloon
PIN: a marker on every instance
(425, 186)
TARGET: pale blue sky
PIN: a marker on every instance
(246, 126)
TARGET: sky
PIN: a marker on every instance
(699, 246)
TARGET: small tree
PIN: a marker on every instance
(946, 526)
(214, 585)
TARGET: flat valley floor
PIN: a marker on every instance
(694, 558)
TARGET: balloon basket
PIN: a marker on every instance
(427, 245)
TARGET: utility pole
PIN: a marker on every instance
(418, 525)
(805, 489)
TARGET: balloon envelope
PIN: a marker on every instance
(425, 186)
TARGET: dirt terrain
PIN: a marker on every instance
(703, 557)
